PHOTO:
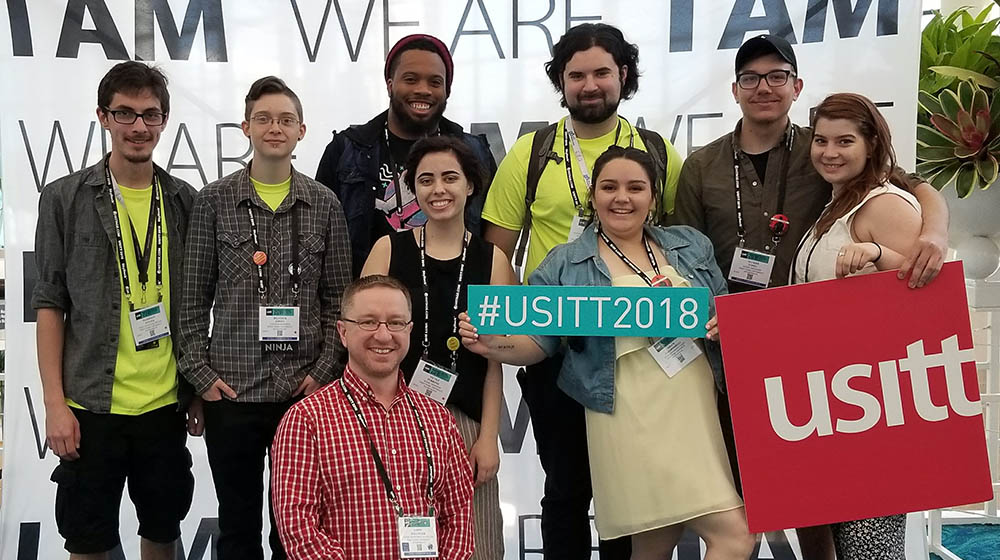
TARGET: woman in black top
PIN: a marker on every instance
(437, 262)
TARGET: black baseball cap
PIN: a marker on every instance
(761, 45)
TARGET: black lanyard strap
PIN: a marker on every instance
(780, 227)
(377, 458)
(154, 228)
(294, 268)
(466, 237)
(621, 255)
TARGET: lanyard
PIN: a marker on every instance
(458, 293)
(618, 252)
(779, 222)
(395, 170)
(569, 137)
(293, 269)
(379, 465)
(142, 254)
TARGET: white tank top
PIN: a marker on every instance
(819, 256)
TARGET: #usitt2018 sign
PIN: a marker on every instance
(854, 398)
(589, 310)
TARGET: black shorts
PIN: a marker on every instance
(149, 452)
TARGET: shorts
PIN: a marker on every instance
(149, 452)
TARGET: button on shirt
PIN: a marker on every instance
(329, 501)
(220, 270)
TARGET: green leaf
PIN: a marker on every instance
(944, 175)
(930, 137)
(981, 80)
(948, 128)
(966, 152)
(928, 168)
(929, 103)
(935, 153)
(965, 180)
(950, 104)
(983, 14)
(987, 169)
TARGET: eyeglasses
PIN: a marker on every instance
(266, 120)
(775, 78)
(394, 325)
(127, 116)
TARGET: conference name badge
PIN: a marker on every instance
(278, 324)
(751, 267)
(433, 381)
(149, 324)
(417, 537)
(674, 355)
(580, 222)
(590, 310)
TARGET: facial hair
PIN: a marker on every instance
(593, 114)
(412, 126)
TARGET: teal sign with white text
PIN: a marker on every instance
(589, 310)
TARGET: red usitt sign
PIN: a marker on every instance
(854, 398)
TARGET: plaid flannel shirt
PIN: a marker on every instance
(328, 499)
(219, 271)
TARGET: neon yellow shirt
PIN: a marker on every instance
(272, 195)
(553, 210)
(147, 380)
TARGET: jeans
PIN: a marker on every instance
(237, 436)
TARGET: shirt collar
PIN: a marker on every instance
(359, 387)
(297, 191)
(739, 129)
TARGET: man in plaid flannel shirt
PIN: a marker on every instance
(267, 247)
(338, 452)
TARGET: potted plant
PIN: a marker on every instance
(958, 129)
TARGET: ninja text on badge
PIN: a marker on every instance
(278, 328)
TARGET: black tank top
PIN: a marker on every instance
(404, 265)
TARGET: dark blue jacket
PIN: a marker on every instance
(350, 167)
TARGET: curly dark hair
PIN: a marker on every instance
(131, 77)
(609, 38)
(618, 152)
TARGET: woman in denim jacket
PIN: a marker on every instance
(657, 458)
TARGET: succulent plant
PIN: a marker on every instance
(962, 142)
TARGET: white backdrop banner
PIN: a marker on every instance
(53, 53)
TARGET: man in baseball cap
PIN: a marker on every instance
(363, 164)
(780, 197)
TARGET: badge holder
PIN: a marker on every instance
(417, 536)
(580, 222)
(433, 381)
(149, 324)
(674, 354)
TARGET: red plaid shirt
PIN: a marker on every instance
(328, 499)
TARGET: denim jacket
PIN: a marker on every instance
(588, 370)
(350, 167)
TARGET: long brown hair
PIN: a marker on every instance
(881, 165)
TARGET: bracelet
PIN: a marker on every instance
(879, 247)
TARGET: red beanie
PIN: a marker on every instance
(439, 47)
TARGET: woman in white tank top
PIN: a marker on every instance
(869, 225)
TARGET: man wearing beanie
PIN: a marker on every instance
(363, 164)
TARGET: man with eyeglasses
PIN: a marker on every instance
(109, 244)
(365, 467)
(756, 216)
(267, 259)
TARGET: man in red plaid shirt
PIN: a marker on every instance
(365, 468)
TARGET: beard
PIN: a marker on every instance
(593, 114)
(413, 126)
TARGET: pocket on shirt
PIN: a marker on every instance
(313, 249)
(235, 255)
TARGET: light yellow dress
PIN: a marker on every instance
(659, 458)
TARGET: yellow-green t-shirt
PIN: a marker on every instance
(553, 210)
(272, 195)
(145, 380)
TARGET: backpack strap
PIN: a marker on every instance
(657, 149)
(541, 153)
